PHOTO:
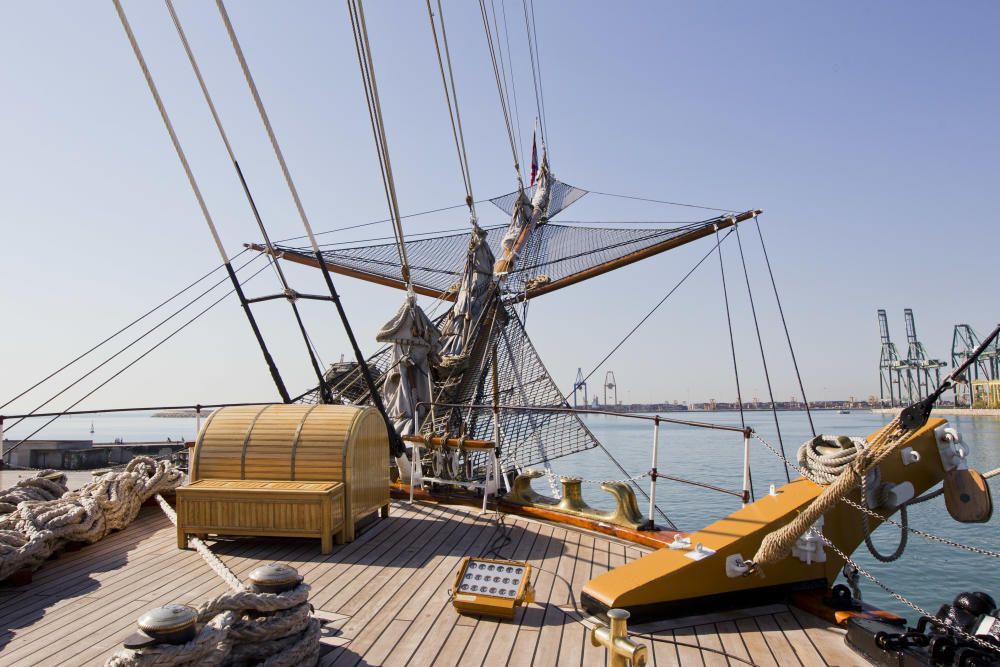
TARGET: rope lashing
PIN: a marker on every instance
(35, 530)
(928, 496)
(777, 544)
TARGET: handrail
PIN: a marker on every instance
(586, 411)
(654, 474)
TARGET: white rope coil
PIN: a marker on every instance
(45, 485)
(824, 457)
(241, 628)
(38, 528)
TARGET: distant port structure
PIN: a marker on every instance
(906, 380)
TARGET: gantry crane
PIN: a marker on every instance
(923, 374)
(890, 366)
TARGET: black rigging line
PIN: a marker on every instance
(134, 342)
(763, 357)
(732, 345)
(381, 222)
(662, 201)
(654, 309)
(310, 348)
(784, 324)
(116, 333)
(133, 362)
(268, 359)
(729, 321)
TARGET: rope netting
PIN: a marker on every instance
(527, 437)
(553, 251)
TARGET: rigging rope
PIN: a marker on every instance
(656, 307)
(512, 90)
(275, 375)
(271, 257)
(662, 201)
(503, 99)
(367, 67)
(131, 363)
(760, 344)
(732, 347)
(454, 115)
(536, 73)
(116, 333)
(395, 443)
(121, 351)
(383, 221)
(784, 324)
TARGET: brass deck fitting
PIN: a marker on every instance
(622, 651)
(626, 512)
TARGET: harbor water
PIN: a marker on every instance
(929, 573)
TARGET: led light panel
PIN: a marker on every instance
(492, 587)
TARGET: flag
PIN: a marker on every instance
(534, 159)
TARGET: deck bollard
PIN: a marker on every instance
(622, 651)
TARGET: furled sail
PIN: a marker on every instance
(415, 343)
(470, 297)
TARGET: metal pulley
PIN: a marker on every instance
(274, 578)
(169, 624)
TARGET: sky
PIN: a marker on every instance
(867, 132)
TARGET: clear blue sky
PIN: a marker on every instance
(867, 132)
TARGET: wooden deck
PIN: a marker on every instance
(386, 594)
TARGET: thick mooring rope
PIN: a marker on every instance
(239, 627)
(46, 485)
(38, 528)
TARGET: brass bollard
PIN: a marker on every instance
(622, 651)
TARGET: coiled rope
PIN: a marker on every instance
(46, 485)
(36, 529)
(239, 627)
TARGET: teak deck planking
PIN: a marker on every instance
(387, 596)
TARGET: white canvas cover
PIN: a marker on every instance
(415, 344)
(472, 290)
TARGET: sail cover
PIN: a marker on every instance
(415, 343)
(477, 278)
(553, 256)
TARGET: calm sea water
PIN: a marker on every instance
(929, 574)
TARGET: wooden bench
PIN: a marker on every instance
(261, 508)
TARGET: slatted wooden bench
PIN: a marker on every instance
(262, 508)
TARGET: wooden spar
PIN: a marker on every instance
(507, 261)
(636, 256)
(353, 273)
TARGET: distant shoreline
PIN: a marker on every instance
(187, 414)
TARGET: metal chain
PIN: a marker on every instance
(921, 533)
(915, 607)
(627, 480)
